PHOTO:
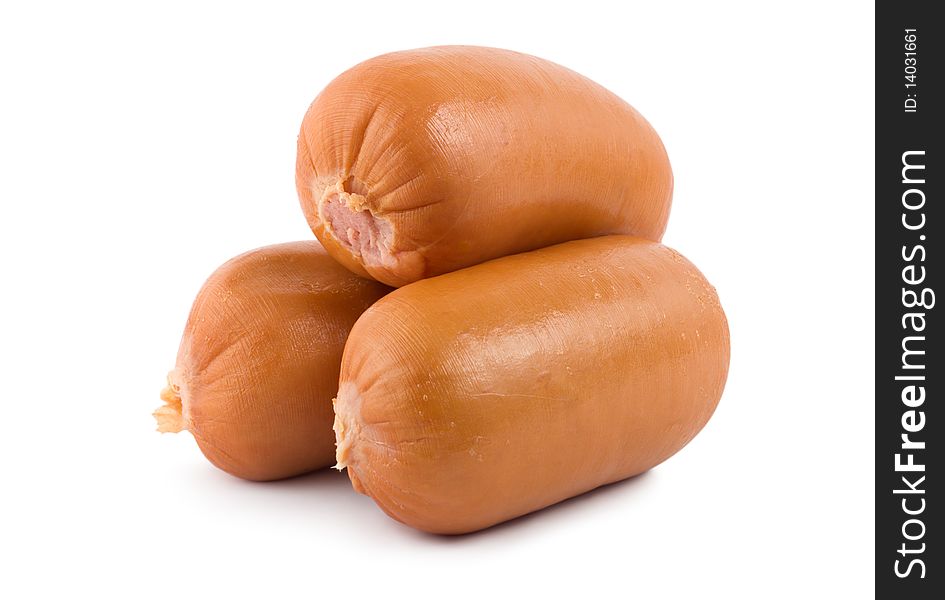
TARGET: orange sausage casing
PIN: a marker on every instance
(259, 360)
(418, 163)
(484, 394)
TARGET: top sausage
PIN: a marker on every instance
(418, 163)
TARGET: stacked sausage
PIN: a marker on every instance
(541, 341)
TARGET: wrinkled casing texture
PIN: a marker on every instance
(259, 360)
(484, 394)
(475, 153)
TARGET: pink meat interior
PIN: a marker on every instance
(359, 231)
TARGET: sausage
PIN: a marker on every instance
(418, 163)
(258, 363)
(484, 394)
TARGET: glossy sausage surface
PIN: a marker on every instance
(259, 360)
(484, 394)
(418, 163)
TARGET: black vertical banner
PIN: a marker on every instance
(910, 367)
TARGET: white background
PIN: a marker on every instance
(140, 147)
